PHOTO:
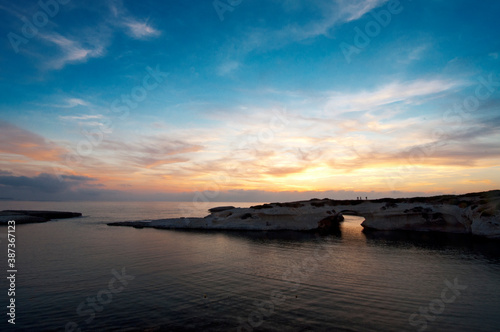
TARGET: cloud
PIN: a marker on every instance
(84, 41)
(135, 28)
(334, 13)
(478, 181)
(140, 30)
(81, 117)
(326, 16)
(73, 102)
(44, 183)
(73, 50)
(58, 101)
(267, 196)
(82, 178)
(406, 92)
(150, 151)
(18, 141)
(471, 146)
(406, 54)
(283, 171)
(351, 10)
(416, 53)
(227, 68)
(304, 151)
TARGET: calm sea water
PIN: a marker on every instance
(225, 281)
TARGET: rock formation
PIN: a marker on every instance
(299, 216)
(476, 213)
(29, 216)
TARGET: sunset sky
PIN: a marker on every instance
(248, 100)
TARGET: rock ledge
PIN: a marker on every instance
(32, 216)
(475, 213)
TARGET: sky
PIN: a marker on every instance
(239, 100)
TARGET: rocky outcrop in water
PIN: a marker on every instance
(299, 216)
(30, 216)
(477, 213)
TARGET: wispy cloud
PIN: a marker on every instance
(227, 68)
(352, 10)
(72, 50)
(70, 103)
(150, 151)
(81, 117)
(135, 28)
(406, 92)
(416, 53)
(407, 54)
(332, 14)
(84, 42)
(58, 101)
(140, 30)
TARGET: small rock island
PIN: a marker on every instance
(31, 216)
(475, 213)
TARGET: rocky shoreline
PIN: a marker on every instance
(32, 216)
(297, 216)
(475, 213)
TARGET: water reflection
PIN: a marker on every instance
(267, 235)
(435, 241)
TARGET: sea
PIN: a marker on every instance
(82, 275)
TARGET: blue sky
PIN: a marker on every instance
(250, 100)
